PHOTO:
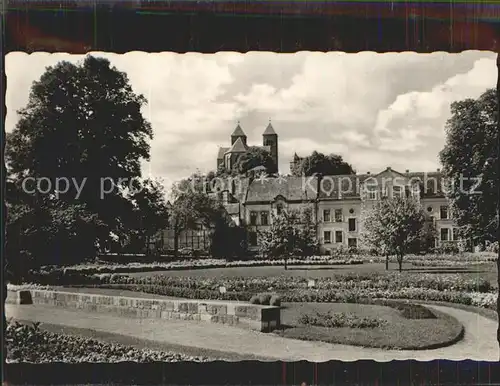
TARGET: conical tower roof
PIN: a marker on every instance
(238, 132)
(238, 147)
(269, 130)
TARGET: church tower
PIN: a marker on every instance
(238, 133)
(270, 138)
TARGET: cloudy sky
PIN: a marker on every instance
(376, 110)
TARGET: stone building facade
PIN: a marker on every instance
(338, 203)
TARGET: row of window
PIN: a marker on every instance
(338, 217)
(449, 234)
(397, 191)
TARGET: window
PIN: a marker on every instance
(415, 191)
(455, 235)
(225, 197)
(429, 209)
(253, 218)
(397, 191)
(352, 242)
(385, 191)
(264, 218)
(352, 225)
(444, 212)
(326, 215)
(279, 208)
(338, 236)
(444, 234)
(327, 237)
(338, 215)
(252, 238)
(372, 193)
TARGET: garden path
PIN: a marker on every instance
(479, 342)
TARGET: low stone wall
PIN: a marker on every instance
(245, 315)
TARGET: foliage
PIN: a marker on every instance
(253, 158)
(290, 234)
(319, 163)
(394, 226)
(339, 319)
(29, 343)
(470, 163)
(150, 211)
(83, 133)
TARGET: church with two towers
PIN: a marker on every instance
(228, 156)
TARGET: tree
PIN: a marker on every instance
(253, 158)
(290, 234)
(83, 125)
(319, 163)
(150, 213)
(393, 226)
(470, 164)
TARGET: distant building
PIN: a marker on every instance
(338, 203)
(228, 156)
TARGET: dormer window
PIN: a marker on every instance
(371, 192)
(397, 191)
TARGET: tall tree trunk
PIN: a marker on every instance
(176, 243)
(386, 262)
(286, 267)
(498, 204)
(400, 262)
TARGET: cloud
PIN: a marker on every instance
(417, 119)
(375, 110)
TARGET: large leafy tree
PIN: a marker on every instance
(319, 163)
(394, 226)
(470, 162)
(291, 233)
(255, 157)
(83, 122)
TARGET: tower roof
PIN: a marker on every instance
(269, 130)
(238, 132)
(238, 147)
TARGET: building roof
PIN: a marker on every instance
(238, 132)
(269, 130)
(291, 188)
(349, 184)
(238, 147)
(222, 151)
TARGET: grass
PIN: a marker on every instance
(486, 270)
(398, 333)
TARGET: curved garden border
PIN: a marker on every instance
(440, 315)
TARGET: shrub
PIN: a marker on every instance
(275, 301)
(255, 299)
(339, 319)
(265, 299)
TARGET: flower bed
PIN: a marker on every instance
(28, 343)
(339, 319)
(359, 295)
(370, 325)
(349, 281)
(198, 264)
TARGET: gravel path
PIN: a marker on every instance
(479, 342)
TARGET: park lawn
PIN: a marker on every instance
(487, 271)
(398, 333)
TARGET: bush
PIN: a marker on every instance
(275, 301)
(264, 299)
(339, 319)
(255, 299)
(492, 247)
